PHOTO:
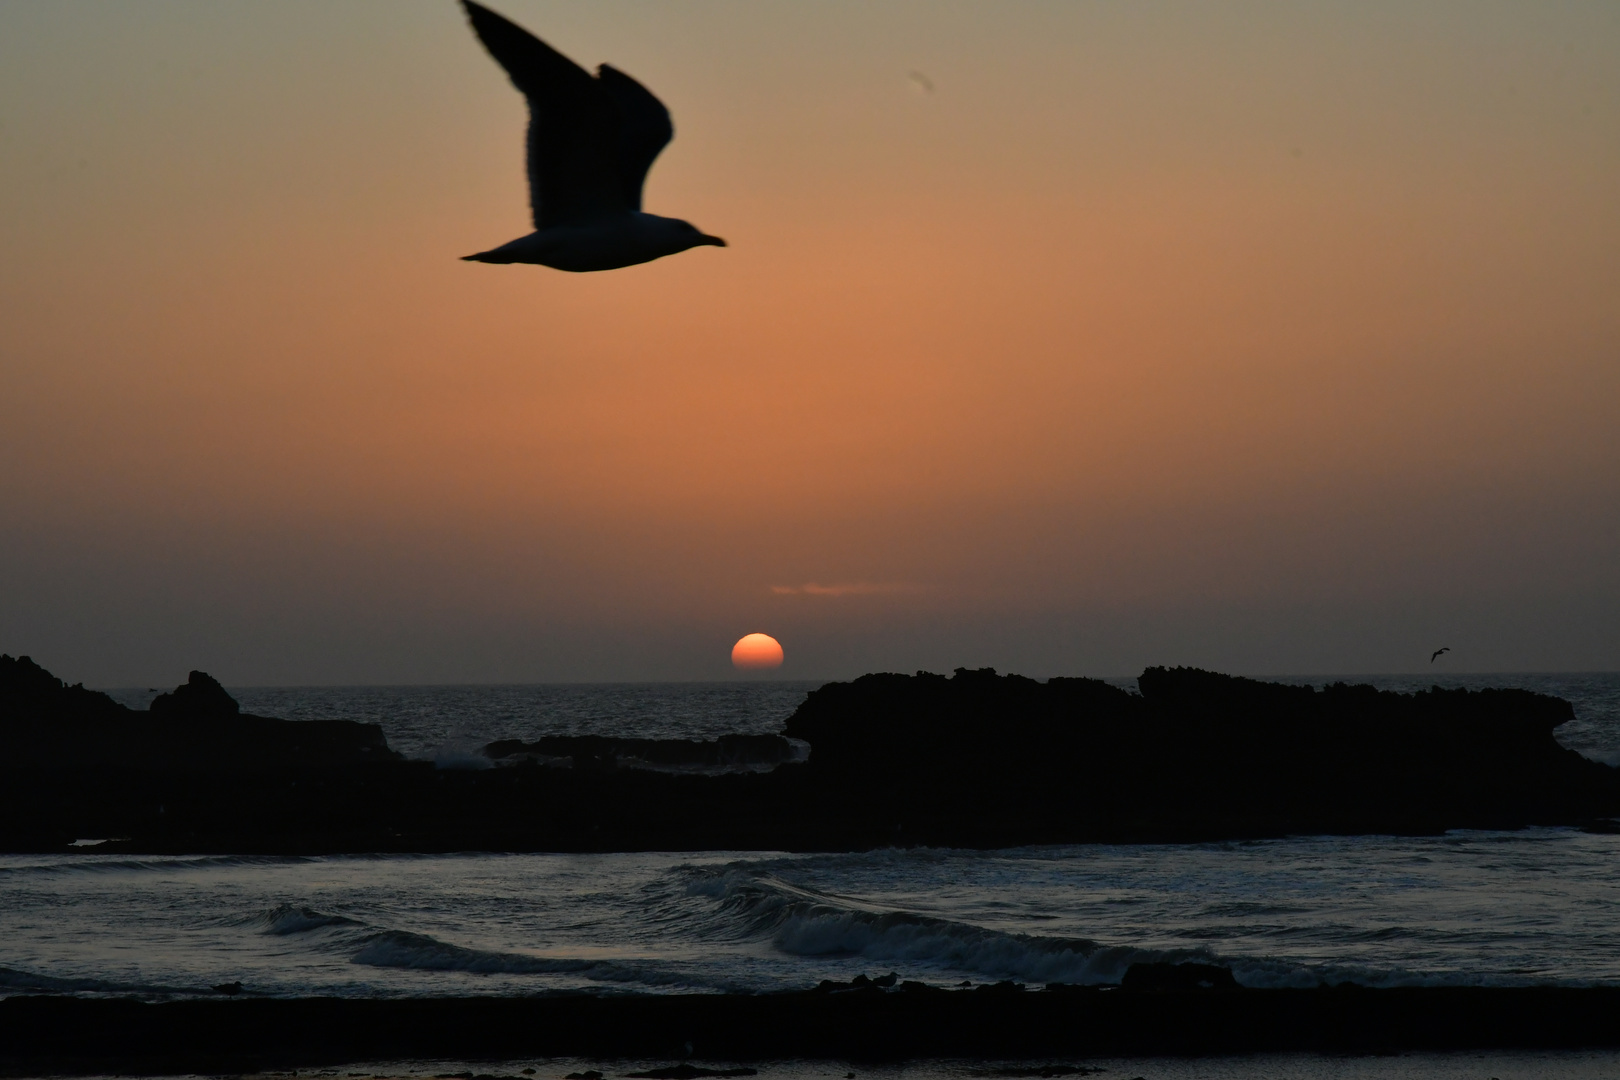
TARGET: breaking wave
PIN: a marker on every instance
(284, 919)
(420, 952)
(803, 922)
(13, 981)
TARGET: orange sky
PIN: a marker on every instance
(1266, 337)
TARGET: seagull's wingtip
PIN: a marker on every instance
(477, 12)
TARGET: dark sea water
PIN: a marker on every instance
(1533, 907)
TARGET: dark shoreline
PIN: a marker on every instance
(974, 760)
(72, 1036)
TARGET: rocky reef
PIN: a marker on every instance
(976, 759)
(1195, 754)
(599, 753)
(51, 727)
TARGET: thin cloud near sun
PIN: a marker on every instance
(853, 588)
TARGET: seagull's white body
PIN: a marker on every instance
(591, 141)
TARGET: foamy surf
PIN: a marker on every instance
(1461, 909)
(805, 922)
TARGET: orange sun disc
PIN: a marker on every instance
(756, 652)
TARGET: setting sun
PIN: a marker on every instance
(756, 652)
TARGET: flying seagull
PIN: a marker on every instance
(591, 141)
(1437, 653)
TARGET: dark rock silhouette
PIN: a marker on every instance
(1178, 977)
(45, 1036)
(977, 760)
(30, 693)
(200, 697)
(983, 758)
(198, 727)
(729, 753)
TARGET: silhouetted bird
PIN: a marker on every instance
(1437, 653)
(591, 141)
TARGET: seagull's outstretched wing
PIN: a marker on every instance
(644, 129)
(575, 133)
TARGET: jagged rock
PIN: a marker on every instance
(30, 694)
(1005, 759)
(974, 760)
(200, 697)
(51, 726)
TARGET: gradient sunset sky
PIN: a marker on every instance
(1266, 337)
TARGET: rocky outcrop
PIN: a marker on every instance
(972, 760)
(1197, 754)
(30, 694)
(48, 726)
(200, 697)
(597, 753)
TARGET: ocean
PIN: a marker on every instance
(1538, 906)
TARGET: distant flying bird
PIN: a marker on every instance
(591, 141)
(924, 83)
(1437, 653)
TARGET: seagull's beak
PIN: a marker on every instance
(712, 241)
